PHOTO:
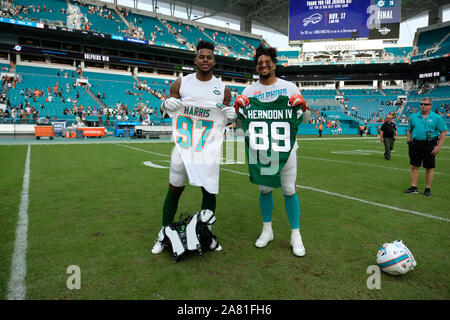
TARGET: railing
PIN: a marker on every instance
(70, 122)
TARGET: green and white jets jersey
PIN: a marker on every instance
(270, 136)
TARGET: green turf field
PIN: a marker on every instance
(97, 206)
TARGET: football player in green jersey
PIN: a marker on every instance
(273, 135)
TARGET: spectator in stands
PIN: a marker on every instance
(426, 135)
(100, 118)
(34, 115)
(23, 116)
(388, 135)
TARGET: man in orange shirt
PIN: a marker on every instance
(320, 130)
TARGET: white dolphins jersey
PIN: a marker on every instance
(197, 130)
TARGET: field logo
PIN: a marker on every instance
(374, 281)
(154, 165)
(74, 281)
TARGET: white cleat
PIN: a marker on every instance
(265, 237)
(297, 245)
(215, 246)
(159, 247)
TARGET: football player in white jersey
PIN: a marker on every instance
(267, 89)
(201, 86)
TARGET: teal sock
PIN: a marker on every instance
(266, 204)
(292, 205)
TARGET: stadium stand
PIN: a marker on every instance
(4, 67)
(81, 15)
(155, 30)
(45, 11)
(440, 95)
(288, 56)
(50, 91)
(398, 52)
(62, 92)
(369, 104)
(432, 42)
(99, 19)
(56, 92)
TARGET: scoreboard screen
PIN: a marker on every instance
(311, 20)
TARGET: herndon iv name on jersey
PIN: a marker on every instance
(271, 130)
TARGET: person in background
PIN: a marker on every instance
(388, 135)
(426, 135)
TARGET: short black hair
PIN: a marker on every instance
(204, 45)
(265, 51)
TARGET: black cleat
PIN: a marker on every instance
(411, 190)
(427, 193)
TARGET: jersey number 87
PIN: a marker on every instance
(261, 138)
(185, 126)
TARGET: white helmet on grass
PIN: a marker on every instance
(395, 258)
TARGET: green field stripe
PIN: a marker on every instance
(426, 215)
(11, 182)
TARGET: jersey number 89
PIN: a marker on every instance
(261, 138)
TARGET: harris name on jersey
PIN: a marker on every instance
(197, 111)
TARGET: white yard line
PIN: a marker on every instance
(158, 154)
(366, 164)
(426, 215)
(340, 138)
(17, 286)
